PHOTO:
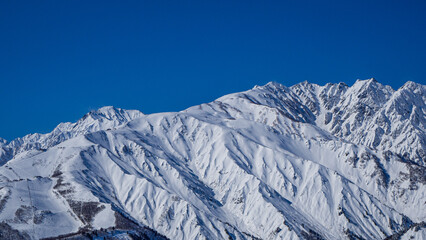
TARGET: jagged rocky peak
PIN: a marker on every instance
(332, 94)
(413, 86)
(271, 90)
(306, 85)
(305, 89)
(282, 98)
(408, 101)
(371, 92)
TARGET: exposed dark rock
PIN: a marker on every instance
(7, 232)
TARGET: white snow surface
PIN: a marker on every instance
(274, 162)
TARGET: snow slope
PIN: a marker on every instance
(274, 162)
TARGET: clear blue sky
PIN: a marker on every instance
(60, 59)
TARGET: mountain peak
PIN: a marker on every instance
(112, 113)
(366, 83)
(107, 110)
(371, 89)
(412, 86)
(274, 84)
(104, 118)
(305, 85)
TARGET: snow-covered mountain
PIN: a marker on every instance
(274, 162)
(105, 118)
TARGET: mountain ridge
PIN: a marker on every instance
(326, 162)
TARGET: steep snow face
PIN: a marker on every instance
(101, 119)
(371, 114)
(367, 113)
(268, 163)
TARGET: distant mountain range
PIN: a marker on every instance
(273, 162)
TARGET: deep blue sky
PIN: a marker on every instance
(60, 59)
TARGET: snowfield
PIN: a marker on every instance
(274, 162)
